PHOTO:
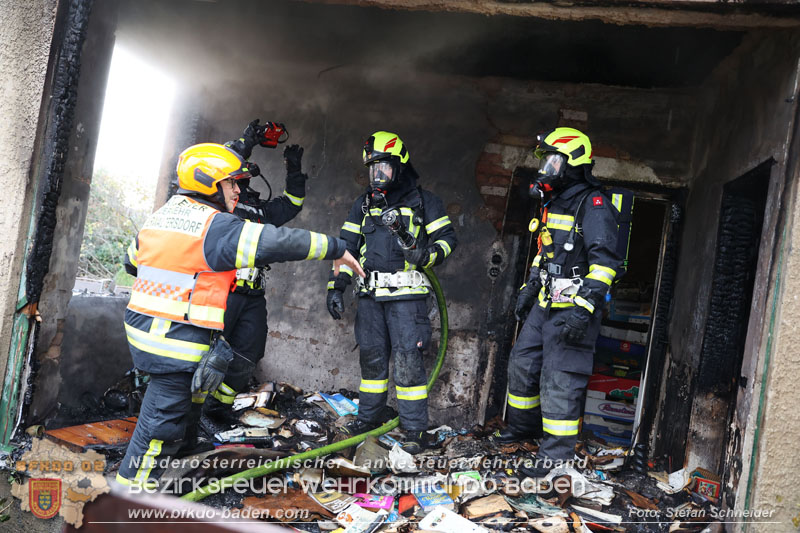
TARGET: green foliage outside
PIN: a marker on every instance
(116, 212)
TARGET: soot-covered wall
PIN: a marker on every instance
(24, 55)
(66, 186)
(748, 106)
(466, 134)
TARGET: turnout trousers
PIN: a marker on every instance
(168, 409)
(246, 332)
(547, 380)
(401, 328)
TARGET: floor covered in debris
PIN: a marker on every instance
(463, 482)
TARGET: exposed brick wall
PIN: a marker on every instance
(504, 155)
(493, 181)
(54, 350)
(494, 171)
(604, 150)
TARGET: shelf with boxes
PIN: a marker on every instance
(620, 357)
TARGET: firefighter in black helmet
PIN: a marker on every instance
(392, 315)
(561, 303)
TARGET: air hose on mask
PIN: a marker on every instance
(298, 459)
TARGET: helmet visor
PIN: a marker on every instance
(553, 165)
(381, 174)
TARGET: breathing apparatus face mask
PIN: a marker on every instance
(243, 183)
(382, 174)
(551, 175)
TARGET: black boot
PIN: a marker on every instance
(536, 467)
(221, 413)
(513, 434)
(358, 426)
(188, 448)
(191, 445)
(415, 442)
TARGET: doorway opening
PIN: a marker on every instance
(719, 378)
(138, 103)
(613, 407)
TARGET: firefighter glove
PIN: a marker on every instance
(296, 183)
(211, 370)
(526, 298)
(249, 139)
(335, 302)
(418, 256)
(293, 156)
(573, 330)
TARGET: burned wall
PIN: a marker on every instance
(772, 418)
(26, 30)
(66, 189)
(747, 108)
(92, 356)
(466, 134)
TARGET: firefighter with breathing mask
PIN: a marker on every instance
(561, 303)
(392, 316)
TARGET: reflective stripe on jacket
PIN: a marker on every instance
(276, 211)
(593, 256)
(174, 281)
(423, 215)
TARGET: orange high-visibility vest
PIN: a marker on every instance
(173, 279)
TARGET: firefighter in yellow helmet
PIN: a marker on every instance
(392, 317)
(561, 303)
(185, 258)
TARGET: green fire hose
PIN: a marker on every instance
(286, 462)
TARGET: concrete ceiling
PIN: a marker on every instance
(719, 14)
(586, 52)
(224, 39)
